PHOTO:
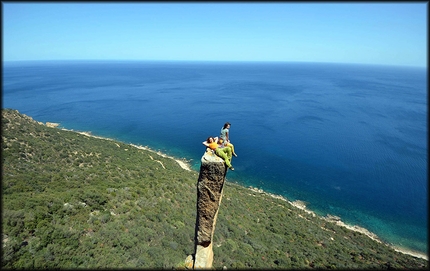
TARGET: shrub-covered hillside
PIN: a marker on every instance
(74, 201)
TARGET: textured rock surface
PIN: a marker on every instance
(52, 124)
(209, 194)
(189, 262)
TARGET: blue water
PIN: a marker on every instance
(350, 140)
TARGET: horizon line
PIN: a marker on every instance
(212, 61)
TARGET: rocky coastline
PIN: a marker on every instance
(184, 164)
(337, 220)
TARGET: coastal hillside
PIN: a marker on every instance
(71, 200)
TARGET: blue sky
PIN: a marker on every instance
(369, 33)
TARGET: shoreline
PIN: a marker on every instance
(336, 220)
(297, 204)
(181, 163)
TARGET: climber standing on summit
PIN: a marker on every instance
(225, 135)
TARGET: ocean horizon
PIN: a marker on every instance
(349, 140)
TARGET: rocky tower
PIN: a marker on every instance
(209, 194)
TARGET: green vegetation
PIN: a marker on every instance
(74, 201)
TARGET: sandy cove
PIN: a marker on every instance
(298, 204)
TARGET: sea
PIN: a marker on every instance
(349, 140)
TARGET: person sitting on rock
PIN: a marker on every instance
(224, 144)
(224, 153)
(226, 137)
